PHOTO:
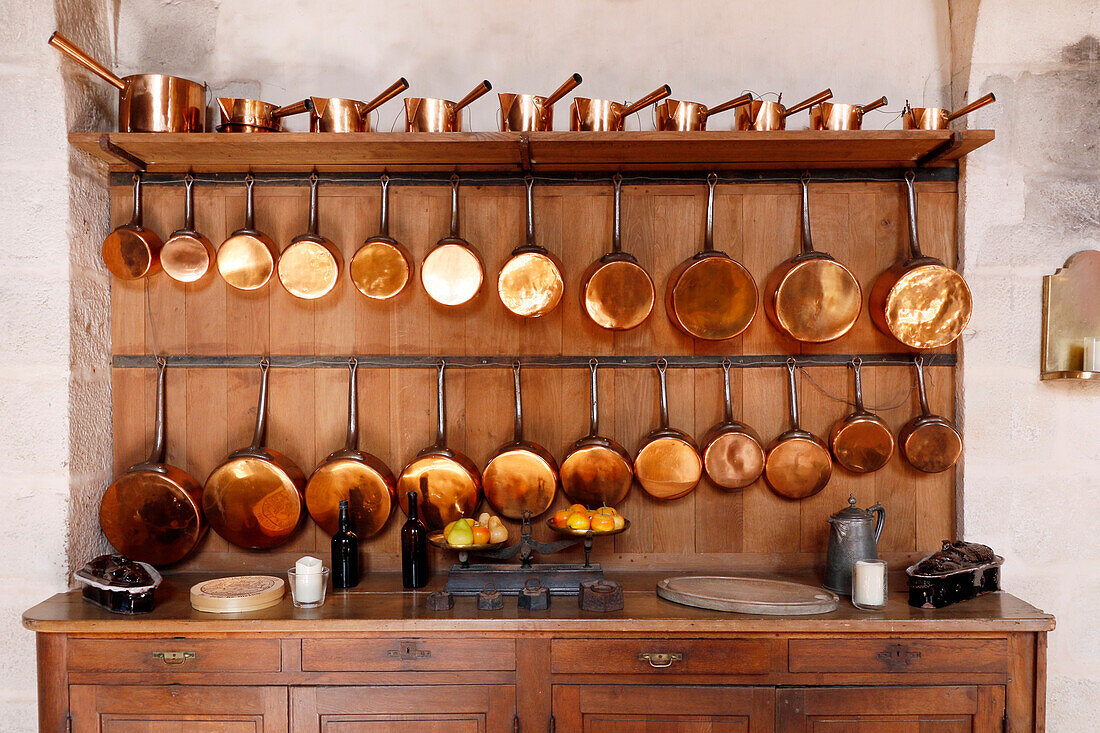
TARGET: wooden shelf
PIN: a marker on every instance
(537, 152)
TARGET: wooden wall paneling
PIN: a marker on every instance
(343, 221)
(771, 228)
(729, 237)
(292, 319)
(586, 236)
(818, 412)
(247, 312)
(719, 514)
(207, 441)
(934, 494)
(205, 300)
(894, 482)
(772, 523)
(127, 296)
(829, 228)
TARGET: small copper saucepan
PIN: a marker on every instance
(247, 257)
(424, 114)
(920, 301)
(310, 265)
(937, 118)
(733, 455)
(602, 115)
(522, 476)
(381, 267)
(930, 443)
(252, 115)
(812, 297)
(452, 272)
(833, 116)
(146, 102)
(530, 283)
(676, 116)
(333, 114)
(351, 475)
(529, 113)
(862, 441)
(132, 251)
(596, 470)
(454, 483)
(617, 293)
(762, 115)
(187, 255)
(667, 464)
(153, 512)
(798, 463)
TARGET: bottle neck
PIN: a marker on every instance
(412, 507)
(345, 520)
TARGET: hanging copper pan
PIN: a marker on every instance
(132, 251)
(522, 476)
(187, 255)
(381, 267)
(862, 441)
(153, 512)
(454, 483)
(667, 464)
(920, 301)
(254, 499)
(798, 463)
(603, 115)
(733, 455)
(351, 475)
(929, 442)
(530, 283)
(333, 114)
(247, 258)
(812, 297)
(310, 265)
(596, 470)
(676, 116)
(711, 296)
(937, 118)
(833, 116)
(424, 114)
(617, 293)
(252, 115)
(765, 116)
(530, 113)
(452, 272)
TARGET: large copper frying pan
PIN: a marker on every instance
(920, 301)
(522, 476)
(929, 442)
(381, 267)
(530, 283)
(937, 118)
(798, 463)
(254, 499)
(310, 265)
(247, 257)
(131, 251)
(667, 464)
(454, 483)
(351, 475)
(452, 272)
(596, 470)
(153, 512)
(711, 296)
(732, 453)
(862, 441)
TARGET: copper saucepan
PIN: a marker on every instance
(937, 118)
(812, 297)
(310, 265)
(132, 251)
(333, 114)
(763, 115)
(862, 441)
(187, 255)
(146, 102)
(798, 463)
(522, 476)
(454, 485)
(676, 116)
(530, 113)
(452, 272)
(254, 499)
(920, 301)
(424, 114)
(246, 259)
(711, 296)
(929, 442)
(381, 267)
(596, 470)
(252, 115)
(602, 115)
(833, 116)
(351, 475)
(667, 464)
(153, 512)
(617, 293)
(530, 283)
(733, 455)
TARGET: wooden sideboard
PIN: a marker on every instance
(376, 659)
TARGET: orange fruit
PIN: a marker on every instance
(481, 535)
(577, 520)
(561, 519)
(603, 523)
(578, 508)
(619, 521)
(607, 510)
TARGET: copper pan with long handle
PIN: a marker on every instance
(425, 114)
(798, 463)
(676, 116)
(930, 443)
(596, 471)
(132, 250)
(532, 113)
(254, 115)
(452, 272)
(603, 115)
(862, 441)
(763, 115)
(381, 267)
(733, 455)
(835, 116)
(530, 282)
(187, 255)
(667, 464)
(335, 114)
(937, 118)
(310, 265)
(246, 259)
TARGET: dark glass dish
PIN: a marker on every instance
(957, 572)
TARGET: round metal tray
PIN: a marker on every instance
(586, 532)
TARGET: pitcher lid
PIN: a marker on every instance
(852, 512)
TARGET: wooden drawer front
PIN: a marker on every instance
(396, 655)
(672, 656)
(862, 656)
(175, 655)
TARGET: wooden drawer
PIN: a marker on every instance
(396, 655)
(866, 656)
(672, 656)
(174, 655)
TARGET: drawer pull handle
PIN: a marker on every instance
(897, 656)
(408, 650)
(174, 658)
(660, 660)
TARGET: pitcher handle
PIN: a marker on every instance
(880, 519)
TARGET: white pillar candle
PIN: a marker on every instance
(869, 583)
(308, 580)
(1090, 355)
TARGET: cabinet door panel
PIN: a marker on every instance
(177, 709)
(663, 708)
(961, 709)
(410, 708)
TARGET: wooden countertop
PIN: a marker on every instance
(379, 605)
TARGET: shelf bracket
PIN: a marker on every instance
(948, 145)
(525, 152)
(124, 155)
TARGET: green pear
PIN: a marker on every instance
(459, 532)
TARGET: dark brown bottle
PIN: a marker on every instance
(345, 552)
(414, 545)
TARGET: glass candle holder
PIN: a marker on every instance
(307, 590)
(869, 584)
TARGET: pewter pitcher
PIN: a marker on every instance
(853, 536)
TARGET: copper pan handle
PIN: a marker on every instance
(479, 91)
(918, 362)
(570, 84)
(440, 406)
(594, 418)
(976, 104)
(807, 103)
(911, 203)
(352, 443)
(655, 96)
(662, 367)
(735, 102)
(880, 102)
(77, 54)
(856, 364)
(391, 91)
(297, 108)
(261, 407)
(518, 425)
(728, 406)
(156, 455)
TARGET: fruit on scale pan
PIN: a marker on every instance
(580, 518)
(485, 530)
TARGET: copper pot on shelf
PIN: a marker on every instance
(425, 114)
(667, 464)
(596, 471)
(334, 114)
(763, 115)
(834, 116)
(252, 115)
(937, 118)
(676, 116)
(531, 113)
(602, 115)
